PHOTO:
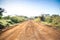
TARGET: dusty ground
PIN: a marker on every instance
(31, 30)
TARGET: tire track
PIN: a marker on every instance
(47, 32)
(15, 30)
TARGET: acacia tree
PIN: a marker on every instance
(1, 11)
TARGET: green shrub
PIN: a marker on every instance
(37, 20)
(17, 19)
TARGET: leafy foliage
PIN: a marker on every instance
(37, 20)
(17, 19)
(1, 11)
(7, 20)
(54, 20)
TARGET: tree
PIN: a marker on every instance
(1, 11)
(42, 18)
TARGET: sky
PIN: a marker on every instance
(30, 7)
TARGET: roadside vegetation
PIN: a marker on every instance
(37, 19)
(51, 20)
(7, 21)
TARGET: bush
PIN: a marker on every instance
(1, 26)
(48, 19)
(54, 20)
(3, 22)
(9, 21)
(37, 20)
(17, 19)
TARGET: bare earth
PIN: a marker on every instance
(31, 30)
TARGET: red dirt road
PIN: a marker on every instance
(31, 30)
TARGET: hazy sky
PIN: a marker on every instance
(30, 7)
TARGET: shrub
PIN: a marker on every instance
(37, 20)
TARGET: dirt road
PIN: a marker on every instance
(31, 30)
